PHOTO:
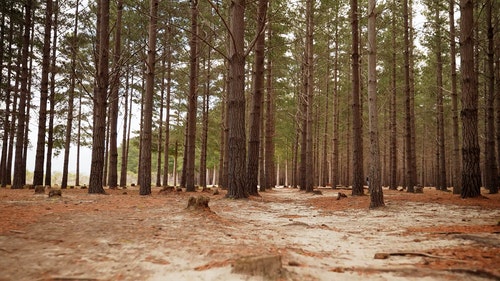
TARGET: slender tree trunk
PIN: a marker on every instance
(100, 102)
(114, 100)
(357, 134)
(52, 99)
(78, 140)
(256, 111)
(204, 134)
(236, 104)
(71, 99)
(471, 171)
(262, 149)
(145, 159)
(457, 167)
(441, 157)
(376, 194)
(269, 149)
(310, 167)
(223, 142)
(335, 180)
(19, 171)
(324, 168)
(168, 70)
(409, 137)
(124, 157)
(160, 124)
(190, 151)
(491, 169)
(5, 171)
(44, 92)
(393, 162)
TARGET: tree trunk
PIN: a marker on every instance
(44, 92)
(71, 98)
(441, 157)
(393, 160)
(256, 111)
(335, 180)
(160, 144)
(375, 185)
(126, 128)
(145, 159)
(190, 151)
(491, 169)
(168, 57)
(357, 133)
(19, 170)
(100, 102)
(204, 135)
(5, 170)
(457, 167)
(471, 172)
(269, 149)
(114, 99)
(409, 137)
(52, 99)
(236, 104)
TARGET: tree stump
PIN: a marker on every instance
(39, 189)
(341, 195)
(167, 189)
(198, 203)
(55, 192)
(269, 267)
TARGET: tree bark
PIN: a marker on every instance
(491, 169)
(471, 171)
(256, 112)
(100, 102)
(375, 184)
(71, 98)
(19, 170)
(410, 160)
(269, 149)
(393, 161)
(52, 98)
(190, 151)
(236, 104)
(441, 157)
(357, 133)
(114, 99)
(457, 163)
(145, 159)
(44, 92)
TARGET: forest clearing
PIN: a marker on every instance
(123, 236)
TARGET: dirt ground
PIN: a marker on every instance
(125, 236)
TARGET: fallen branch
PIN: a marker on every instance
(419, 254)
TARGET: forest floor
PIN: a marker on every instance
(125, 236)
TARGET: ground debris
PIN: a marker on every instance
(419, 254)
(268, 266)
(198, 203)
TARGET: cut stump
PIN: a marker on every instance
(198, 203)
(39, 189)
(55, 192)
(269, 267)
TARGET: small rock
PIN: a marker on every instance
(293, 263)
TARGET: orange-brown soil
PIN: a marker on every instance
(125, 236)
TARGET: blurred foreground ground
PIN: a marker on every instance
(125, 236)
